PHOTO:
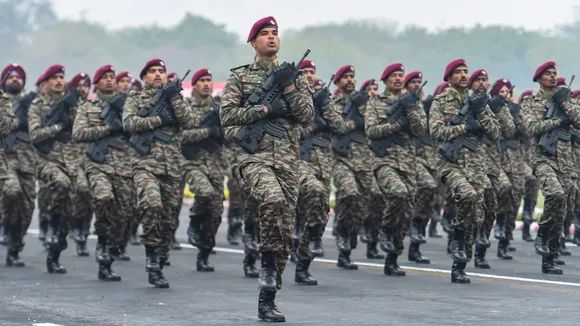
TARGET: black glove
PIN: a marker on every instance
(22, 120)
(359, 98)
(404, 123)
(214, 132)
(514, 109)
(283, 75)
(473, 126)
(171, 89)
(320, 124)
(115, 125)
(321, 97)
(71, 98)
(279, 108)
(565, 120)
(408, 99)
(359, 123)
(561, 95)
(496, 103)
(427, 102)
(478, 101)
(167, 117)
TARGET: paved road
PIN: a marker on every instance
(512, 293)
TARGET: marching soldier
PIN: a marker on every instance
(43, 215)
(531, 186)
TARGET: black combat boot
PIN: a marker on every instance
(564, 251)
(387, 240)
(53, 233)
(446, 222)
(449, 240)
(549, 267)
(154, 266)
(80, 238)
(194, 230)
(343, 239)
(334, 225)
(457, 247)
(481, 239)
(12, 259)
(234, 225)
(42, 229)
(134, 236)
(541, 243)
(102, 250)
(123, 253)
(250, 239)
(250, 270)
(315, 248)
(528, 211)
(175, 244)
(202, 261)
(295, 243)
(480, 261)
(499, 229)
(502, 250)
(267, 309)
(567, 236)
(302, 275)
(52, 264)
(416, 231)
(526, 235)
(458, 273)
(372, 252)
(557, 260)
(391, 267)
(415, 255)
(267, 281)
(107, 274)
(344, 261)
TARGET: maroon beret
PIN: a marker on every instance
(543, 67)
(151, 63)
(561, 81)
(261, 23)
(307, 64)
(341, 71)
(136, 85)
(79, 79)
(391, 69)
(318, 82)
(14, 68)
(451, 66)
(498, 85)
(524, 94)
(101, 71)
(474, 76)
(52, 70)
(412, 75)
(575, 93)
(172, 75)
(369, 82)
(440, 88)
(198, 74)
(123, 74)
(39, 80)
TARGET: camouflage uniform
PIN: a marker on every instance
(553, 173)
(19, 184)
(271, 175)
(396, 172)
(157, 177)
(427, 184)
(464, 179)
(576, 214)
(236, 200)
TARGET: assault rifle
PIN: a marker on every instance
(307, 143)
(142, 141)
(507, 143)
(396, 112)
(112, 111)
(20, 109)
(210, 120)
(341, 143)
(249, 136)
(549, 140)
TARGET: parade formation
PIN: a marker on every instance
(401, 162)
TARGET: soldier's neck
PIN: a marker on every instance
(104, 95)
(266, 62)
(54, 94)
(396, 92)
(203, 99)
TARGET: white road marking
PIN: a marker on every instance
(46, 324)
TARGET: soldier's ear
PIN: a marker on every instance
(253, 43)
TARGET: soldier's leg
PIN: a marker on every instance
(577, 214)
(135, 219)
(251, 235)
(174, 243)
(43, 215)
(364, 182)
(531, 188)
(82, 212)
(570, 208)
(373, 221)
(347, 193)
(505, 211)
(13, 209)
(424, 198)
(547, 242)
(438, 203)
(449, 211)
(123, 189)
(235, 210)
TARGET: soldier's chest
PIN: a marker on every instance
(251, 82)
(94, 114)
(538, 109)
(450, 109)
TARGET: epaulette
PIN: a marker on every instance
(37, 100)
(239, 67)
(440, 96)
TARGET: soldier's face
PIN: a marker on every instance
(504, 92)
(373, 90)
(548, 78)
(84, 89)
(204, 86)
(347, 82)
(13, 84)
(310, 74)
(156, 77)
(459, 77)
(480, 84)
(106, 84)
(124, 85)
(395, 81)
(267, 43)
(414, 84)
(55, 83)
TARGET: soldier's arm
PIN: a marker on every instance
(300, 100)
(373, 129)
(82, 131)
(36, 131)
(417, 120)
(439, 129)
(133, 122)
(309, 131)
(533, 125)
(7, 124)
(184, 113)
(229, 133)
(489, 123)
(334, 119)
(232, 111)
(573, 111)
(194, 135)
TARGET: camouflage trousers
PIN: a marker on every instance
(59, 191)
(208, 205)
(555, 187)
(374, 217)
(276, 191)
(236, 195)
(82, 207)
(531, 187)
(490, 201)
(511, 191)
(112, 199)
(17, 206)
(466, 189)
(576, 219)
(158, 202)
(353, 189)
(571, 205)
(427, 184)
(134, 218)
(398, 189)
(43, 198)
(312, 205)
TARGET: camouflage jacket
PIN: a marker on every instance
(402, 158)
(443, 109)
(7, 124)
(280, 153)
(507, 129)
(89, 127)
(513, 160)
(533, 111)
(23, 158)
(164, 159)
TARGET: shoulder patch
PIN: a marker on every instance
(240, 67)
(443, 97)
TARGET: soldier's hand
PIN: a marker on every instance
(167, 117)
(427, 102)
(171, 89)
(404, 123)
(214, 132)
(565, 120)
(359, 123)
(473, 126)
(359, 98)
(115, 125)
(319, 123)
(283, 75)
(279, 108)
(478, 101)
(496, 103)
(561, 95)
(408, 99)
(321, 97)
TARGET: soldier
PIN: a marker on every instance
(271, 175)
(43, 215)
(531, 186)
(82, 213)
(156, 167)
(203, 167)
(50, 121)
(106, 168)
(576, 219)
(394, 165)
(19, 182)
(552, 166)
(463, 175)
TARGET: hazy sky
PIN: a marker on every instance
(238, 15)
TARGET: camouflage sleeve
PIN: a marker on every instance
(37, 132)
(506, 122)
(134, 123)
(308, 131)
(373, 129)
(232, 111)
(195, 135)
(573, 111)
(489, 123)
(300, 100)
(533, 125)
(7, 124)
(519, 123)
(439, 129)
(335, 122)
(229, 133)
(417, 120)
(184, 114)
(82, 131)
